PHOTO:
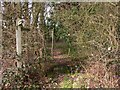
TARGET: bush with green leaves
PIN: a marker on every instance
(61, 33)
(92, 26)
(22, 78)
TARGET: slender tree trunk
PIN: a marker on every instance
(26, 15)
(0, 31)
(1, 71)
(42, 25)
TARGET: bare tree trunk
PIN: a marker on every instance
(1, 71)
(0, 31)
(25, 35)
(42, 25)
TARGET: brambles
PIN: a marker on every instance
(69, 45)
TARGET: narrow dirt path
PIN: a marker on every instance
(63, 66)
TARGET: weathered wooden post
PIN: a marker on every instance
(18, 41)
(18, 36)
(52, 43)
(20, 28)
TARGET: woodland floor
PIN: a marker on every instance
(62, 74)
(63, 68)
(67, 73)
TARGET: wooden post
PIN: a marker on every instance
(18, 42)
(52, 43)
(20, 28)
(18, 39)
